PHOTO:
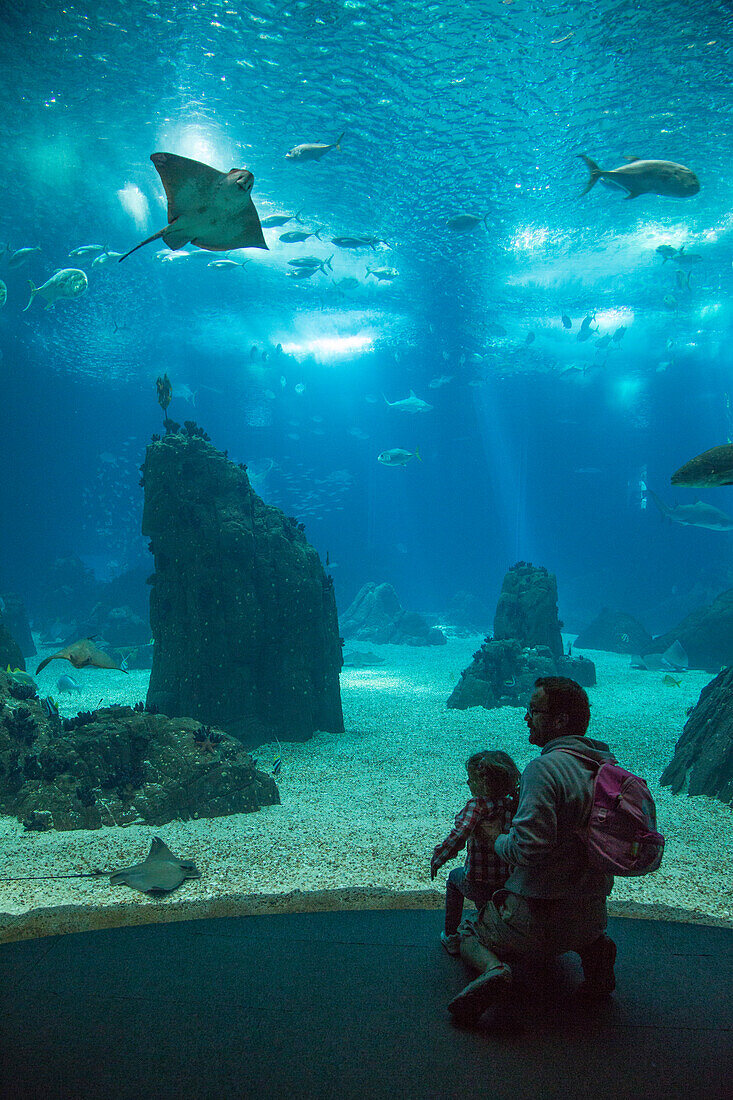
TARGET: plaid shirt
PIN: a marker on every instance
(482, 864)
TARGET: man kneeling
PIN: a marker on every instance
(553, 901)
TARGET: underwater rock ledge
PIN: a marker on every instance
(703, 756)
(118, 766)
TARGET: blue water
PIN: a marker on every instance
(447, 108)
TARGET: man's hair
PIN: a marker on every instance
(565, 696)
(497, 770)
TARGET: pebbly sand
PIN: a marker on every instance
(362, 811)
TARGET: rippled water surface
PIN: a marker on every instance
(447, 109)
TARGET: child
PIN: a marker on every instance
(493, 779)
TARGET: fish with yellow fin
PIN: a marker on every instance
(20, 676)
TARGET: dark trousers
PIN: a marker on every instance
(458, 887)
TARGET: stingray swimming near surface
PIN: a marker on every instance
(82, 654)
(159, 873)
(210, 209)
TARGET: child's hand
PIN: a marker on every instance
(434, 868)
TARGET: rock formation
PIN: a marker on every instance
(10, 652)
(14, 618)
(703, 756)
(376, 616)
(119, 765)
(504, 669)
(614, 632)
(501, 674)
(706, 635)
(527, 608)
(242, 613)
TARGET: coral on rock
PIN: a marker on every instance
(119, 765)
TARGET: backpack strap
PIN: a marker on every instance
(596, 766)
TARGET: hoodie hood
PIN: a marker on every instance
(597, 750)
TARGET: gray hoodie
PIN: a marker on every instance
(546, 856)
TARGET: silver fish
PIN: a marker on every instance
(645, 177)
(396, 456)
(357, 242)
(295, 237)
(274, 221)
(383, 274)
(312, 262)
(20, 256)
(67, 284)
(105, 257)
(226, 263)
(313, 151)
(87, 250)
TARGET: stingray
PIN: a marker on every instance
(208, 208)
(674, 658)
(82, 654)
(362, 659)
(160, 873)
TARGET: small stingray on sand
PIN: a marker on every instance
(358, 659)
(159, 873)
(82, 654)
(208, 208)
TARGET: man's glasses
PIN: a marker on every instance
(531, 711)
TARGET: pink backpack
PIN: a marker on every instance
(620, 836)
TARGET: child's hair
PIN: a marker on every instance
(496, 770)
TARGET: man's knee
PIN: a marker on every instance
(476, 954)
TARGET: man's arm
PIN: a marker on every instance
(533, 833)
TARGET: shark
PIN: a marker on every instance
(411, 404)
(694, 515)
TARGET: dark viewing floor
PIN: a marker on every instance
(341, 1005)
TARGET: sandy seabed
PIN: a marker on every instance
(361, 811)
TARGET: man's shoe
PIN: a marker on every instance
(598, 961)
(452, 943)
(472, 1002)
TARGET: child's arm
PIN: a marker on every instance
(466, 822)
